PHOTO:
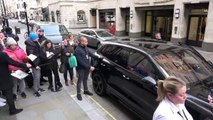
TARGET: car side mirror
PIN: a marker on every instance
(149, 80)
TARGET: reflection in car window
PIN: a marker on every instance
(140, 65)
(54, 29)
(103, 33)
(107, 51)
(184, 64)
(92, 33)
(85, 32)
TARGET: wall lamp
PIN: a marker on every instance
(131, 14)
(177, 13)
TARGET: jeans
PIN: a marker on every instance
(36, 78)
(20, 83)
(82, 76)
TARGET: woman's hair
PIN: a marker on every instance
(69, 35)
(46, 42)
(169, 85)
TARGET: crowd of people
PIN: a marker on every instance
(14, 58)
(171, 91)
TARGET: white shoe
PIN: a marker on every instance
(2, 104)
(2, 100)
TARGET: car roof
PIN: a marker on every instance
(94, 29)
(46, 23)
(150, 47)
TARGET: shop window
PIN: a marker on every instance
(81, 16)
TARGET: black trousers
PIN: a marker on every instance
(82, 77)
(9, 97)
(67, 68)
(56, 76)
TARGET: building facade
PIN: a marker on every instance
(186, 21)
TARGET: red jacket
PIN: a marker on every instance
(17, 55)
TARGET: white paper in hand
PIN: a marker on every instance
(32, 57)
(19, 74)
(49, 54)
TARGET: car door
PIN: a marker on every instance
(143, 93)
(140, 93)
(93, 38)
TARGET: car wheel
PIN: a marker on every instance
(99, 84)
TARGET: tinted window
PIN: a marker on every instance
(103, 33)
(85, 32)
(107, 51)
(92, 33)
(138, 63)
(184, 64)
(54, 29)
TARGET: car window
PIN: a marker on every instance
(138, 63)
(92, 33)
(54, 29)
(107, 51)
(103, 33)
(85, 32)
(121, 56)
(184, 64)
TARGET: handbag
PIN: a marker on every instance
(72, 61)
(62, 68)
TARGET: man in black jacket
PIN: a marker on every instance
(83, 56)
(33, 47)
(6, 84)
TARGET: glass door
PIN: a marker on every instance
(164, 26)
(196, 30)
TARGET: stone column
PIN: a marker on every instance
(97, 19)
(120, 22)
(208, 38)
(135, 23)
(179, 30)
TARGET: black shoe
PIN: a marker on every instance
(14, 97)
(79, 97)
(23, 95)
(37, 94)
(16, 111)
(44, 80)
(60, 85)
(50, 87)
(88, 93)
(41, 90)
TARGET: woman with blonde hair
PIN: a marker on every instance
(172, 95)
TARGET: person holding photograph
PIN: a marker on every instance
(17, 54)
(6, 83)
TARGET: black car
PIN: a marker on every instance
(130, 72)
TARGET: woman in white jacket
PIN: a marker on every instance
(172, 96)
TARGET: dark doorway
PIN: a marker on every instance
(127, 22)
(196, 30)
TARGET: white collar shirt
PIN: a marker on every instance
(166, 110)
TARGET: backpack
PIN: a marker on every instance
(72, 61)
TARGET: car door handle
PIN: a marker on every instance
(124, 76)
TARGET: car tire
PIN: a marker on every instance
(99, 84)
